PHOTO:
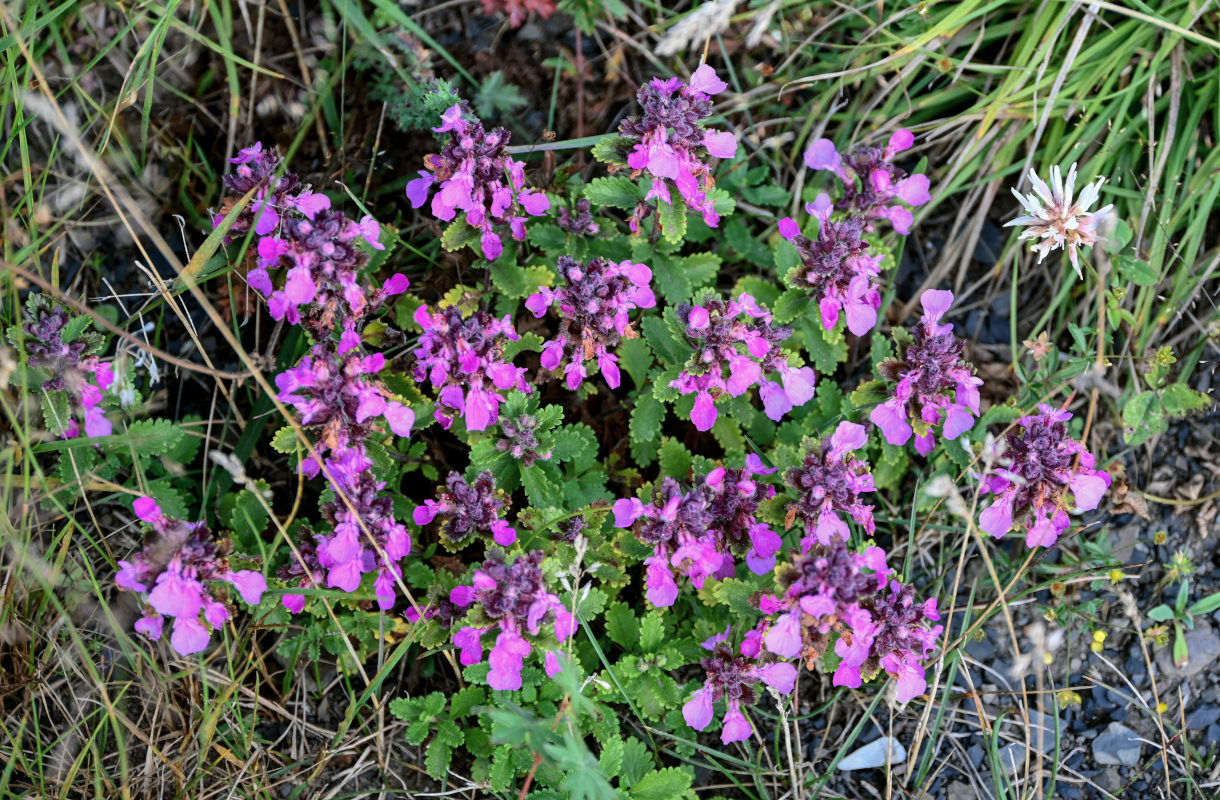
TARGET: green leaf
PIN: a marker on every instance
(607, 150)
(56, 411)
(542, 484)
(671, 282)
(529, 341)
(673, 220)
(662, 784)
(1179, 400)
(1205, 606)
(727, 432)
(661, 339)
(621, 626)
(576, 444)
(637, 759)
(615, 191)
(437, 758)
(1161, 613)
(652, 631)
(735, 594)
(786, 257)
(675, 459)
(611, 757)
(152, 437)
(790, 305)
(826, 348)
(418, 730)
(1144, 417)
(646, 418)
(459, 234)
(700, 269)
(767, 195)
(1181, 654)
(635, 356)
(245, 515)
(751, 249)
(1136, 270)
(508, 276)
(464, 701)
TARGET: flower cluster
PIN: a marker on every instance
(669, 143)
(594, 303)
(735, 344)
(872, 184)
(317, 245)
(733, 677)
(829, 483)
(462, 356)
(933, 383)
(66, 356)
(832, 591)
(520, 439)
(1041, 465)
(468, 509)
(512, 598)
(335, 392)
(836, 267)
(578, 223)
(174, 569)
(698, 533)
(478, 178)
(1054, 221)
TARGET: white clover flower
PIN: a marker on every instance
(1054, 221)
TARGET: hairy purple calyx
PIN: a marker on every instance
(468, 510)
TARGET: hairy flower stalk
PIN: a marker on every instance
(828, 484)
(735, 344)
(698, 533)
(933, 384)
(1054, 220)
(594, 306)
(513, 600)
(463, 358)
(832, 594)
(836, 268)
(478, 178)
(468, 510)
(65, 354)
(734, 678)
(1041, 465)
(177, 571)
(670, 144)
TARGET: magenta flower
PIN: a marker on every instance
(364, 537)
(340, 395)
(273, 196)
(832, 594)
(672, 147)
(699, 533)
(733, 677)
(174, 571)
(468, 510)
(836, 268)
(735, 345)
(873, 187)
(322, 286)
(513, 600)
(462, 357)
(478, 178)
(829, 483)
(1043, 465)
(933, 383)
(594, 304)
(71, 368)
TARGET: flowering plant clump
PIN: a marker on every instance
(832, 592)
(933, 384)
(836, 268)
(513, 599)
(733, 677)
(829, 483)
(462, 356)
(174, 570)
(735, 344)
(1054, 221)
(698, 533)
(478, 178)
(594, 304)
(1041, 464)
(468, 509)
(669, 144)
(872, 182)
(336, 392)
(64, 353)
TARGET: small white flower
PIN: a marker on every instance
(1054, 221)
